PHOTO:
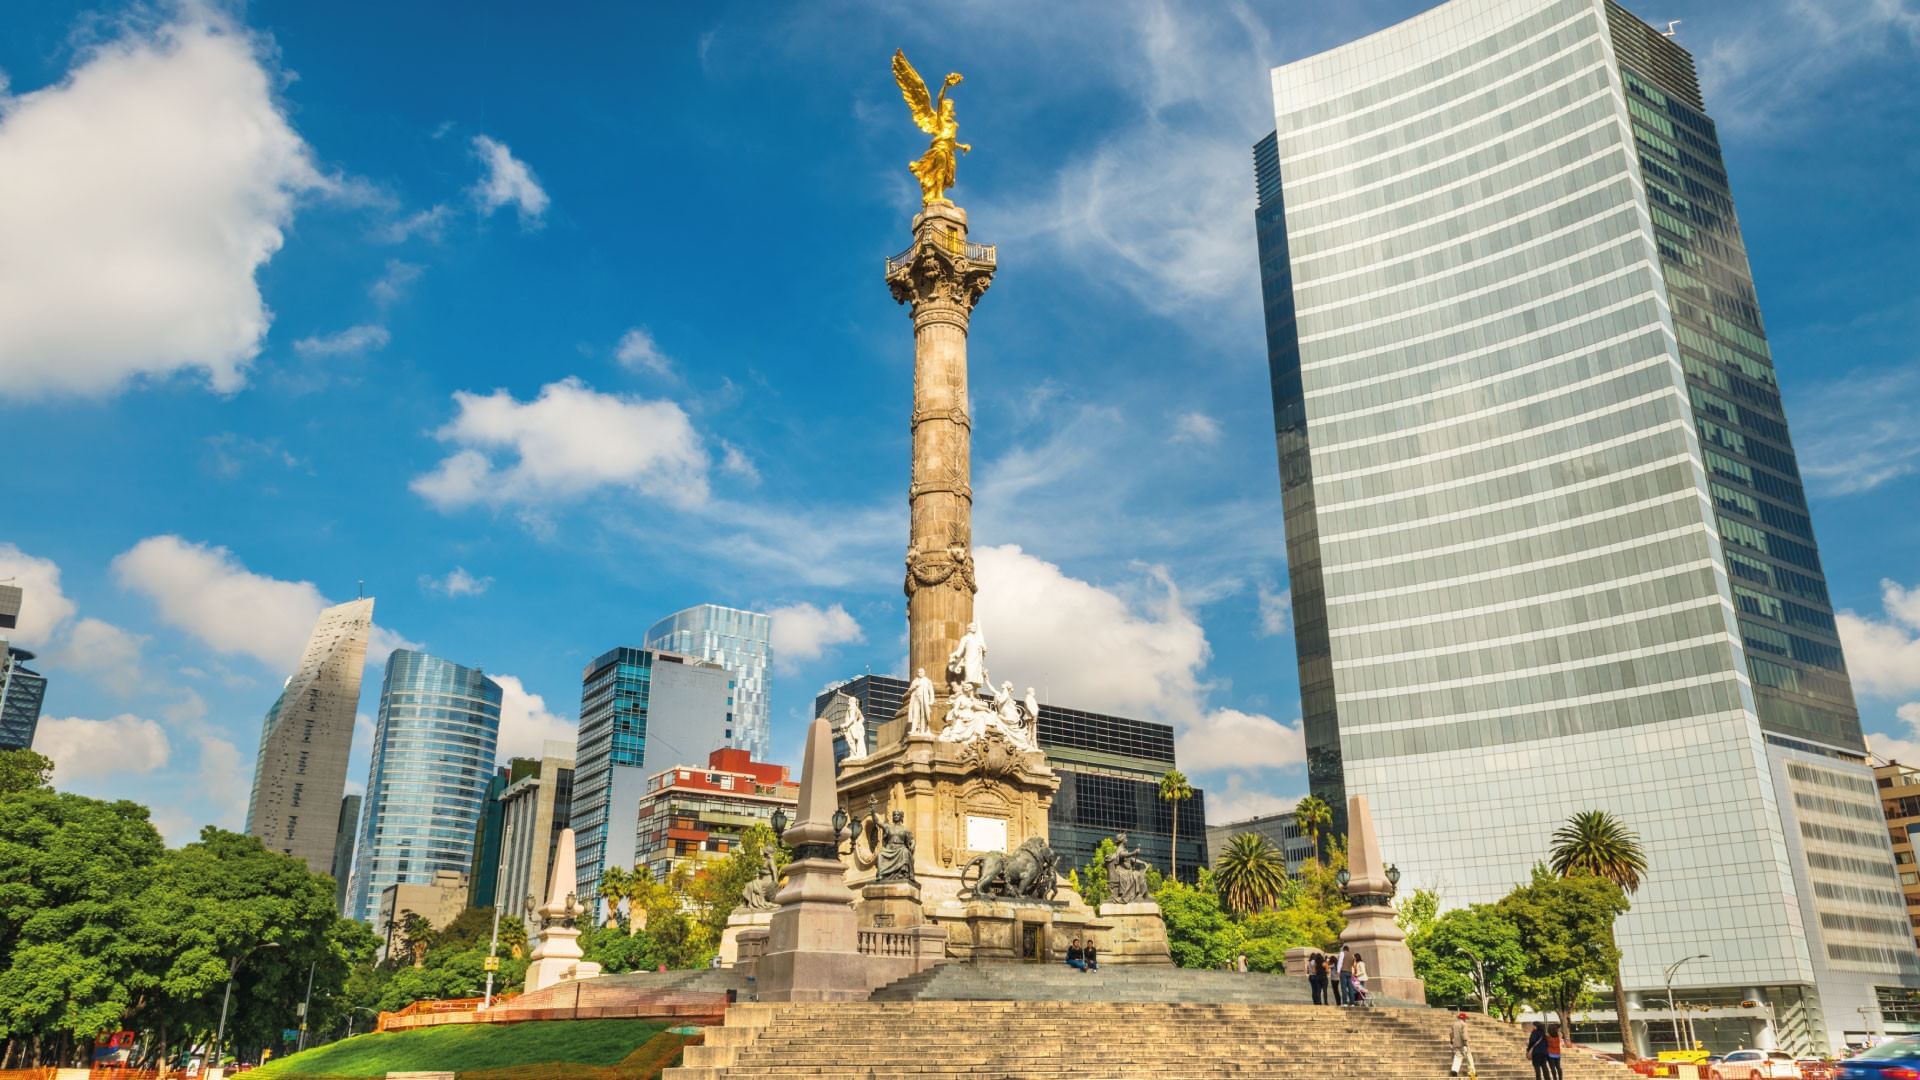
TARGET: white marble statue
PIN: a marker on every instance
(1008, 708)
(968, 662)
(1033, 719)
(920, 704)
(853, 728)
(968, 717)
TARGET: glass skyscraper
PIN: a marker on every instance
(740, 641)
(640, 711)
(22, 690)
(1548, 546)
(433, 751)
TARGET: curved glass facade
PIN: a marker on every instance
(1506, 307)
(433, 756)
(741, 642)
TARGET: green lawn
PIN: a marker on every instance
(469, 1047)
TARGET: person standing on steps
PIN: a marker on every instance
(1340, 977)
(1462, 1054)
(1317, 978)
(1537, 1051)
(1554, 1046)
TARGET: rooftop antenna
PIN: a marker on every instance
(362, 587)
(1671, 23)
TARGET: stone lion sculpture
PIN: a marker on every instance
(1029, 872)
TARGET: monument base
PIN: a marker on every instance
(737, 923)
(1136, 934)
(547, 971)
(1037, 931)
(888, 905)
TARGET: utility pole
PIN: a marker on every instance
(306, 1006)
(493, 948)
(233, 968)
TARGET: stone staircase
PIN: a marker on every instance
(1101, 1040)
(623, 991)
(1057, 982)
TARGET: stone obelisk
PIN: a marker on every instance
(942, 277)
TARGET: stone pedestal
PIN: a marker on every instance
(1371, 930)
(889, 905)
(1037, 931)
(813, 951)
(1136, 934)
(737, 923)
(557, 956)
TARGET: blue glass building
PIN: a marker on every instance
(740, 641)
(433, 752)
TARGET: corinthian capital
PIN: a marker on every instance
(941, 268)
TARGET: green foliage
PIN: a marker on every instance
(1471, 956)
(716, 890)
(1175, 789)
(464, 1047)
(1251, 873)
(1316, 817)
(24, 770)
(1595, 842)
(1416, 911)
(1093, 876)
(1565, 926)
(1200, 933)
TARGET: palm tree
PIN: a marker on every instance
(613, 889)
(1251, 873)
(1315, 816)
(1597, 843)
(1175, 789)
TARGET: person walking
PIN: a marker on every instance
(1091, 957)
(1340, 977)
(1076, 959)
(1317, 978)
(1554, 1046)
(1537, 1051)
(1462, 1054)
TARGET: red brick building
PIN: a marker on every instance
(690, 813)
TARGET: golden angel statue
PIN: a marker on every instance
(934, 115)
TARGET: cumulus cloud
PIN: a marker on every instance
(1231, 739)
(390, 286)
(84, 749)
(507, 181)
(43, 607)
(352, 341)
(220, 777)
(1276, 609)
(1235, 801)
(204, 590)
(106, 652)
(569, 441)
(526, 724)
(1883, 654)
(806, 631)
(457, 582)
(638, 351)
(1195, 427)
(148, 187)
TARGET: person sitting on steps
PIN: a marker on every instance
(1075, 958)
(1090, 957)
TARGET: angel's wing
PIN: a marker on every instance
(914, 89)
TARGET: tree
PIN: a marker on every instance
(1595, 843)
(1566, 933)
(24, 770)
(1094, 887)
(1315, 816)
(613, 889)
(1200, 933)
(1416, 911)
(1251, 873)
(716, 889)
(1471, 953)
(1175, 789)
(416, 934)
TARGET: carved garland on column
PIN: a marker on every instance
(951, 567)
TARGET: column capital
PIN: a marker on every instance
(941, 274)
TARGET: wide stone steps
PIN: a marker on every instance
(1101, 1040)
(1032, 982)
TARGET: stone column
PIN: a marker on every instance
(813, 940)
(1371, 929)
(941, 276)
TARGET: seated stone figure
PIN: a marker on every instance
(1126, 874)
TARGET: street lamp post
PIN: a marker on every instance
(493, 948)
(307, 1004)
(354, 1009)
(1671, 1008)
(233, 968)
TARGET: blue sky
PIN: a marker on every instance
(546, 327)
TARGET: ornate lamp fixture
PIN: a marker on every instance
(1342, 878)
(1393, 876)
(779, 822)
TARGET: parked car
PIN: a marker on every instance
(1755, 1065)
(1894, 1059)
(1815, 1069)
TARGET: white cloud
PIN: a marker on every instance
(221, 778)
(88, 749)
(1231, 739)
(429, 224)
(394, 283)
(147, 187)
(352, 341)
(204, 590)
(805, 632)
(1883, 655)
(525, 722)
(638, 351)
(1768, 67)
(735, 461)
(43, 607)
(1903, 748)
(1276, 610)
(508, 180)
(1086, 645)
(457, 582)
(569, 441)
(1859, 432)
(1195, 427)
(111, 655)
(1237, 802)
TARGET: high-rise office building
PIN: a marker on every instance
(22, 692)
(433, 748)
(537, 804)
(641, 711)
(301, 769)
(483, 875)
(1109, 768)
(695, 813)
(11, 598)
(741, 642)
(1548, 545)
(1282, 830)
(344, 832)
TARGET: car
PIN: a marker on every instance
(1894, 1059)
(1815, 1069)
(1755, 1065)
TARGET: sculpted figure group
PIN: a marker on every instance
(970, 715)
(1126, 874)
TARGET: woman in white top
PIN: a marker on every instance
(1360, 978)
